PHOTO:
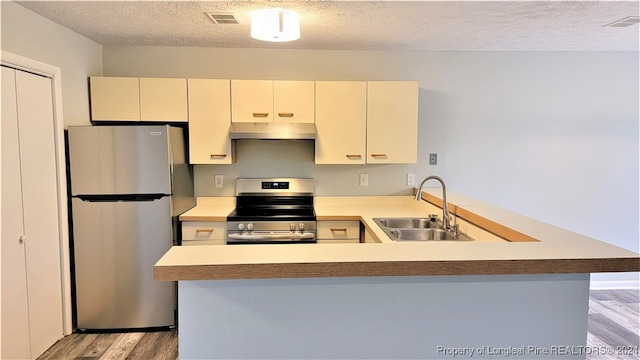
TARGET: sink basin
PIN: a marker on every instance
(425, 235)
(417, 229)
(406, 223)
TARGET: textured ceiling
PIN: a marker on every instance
(358, 25)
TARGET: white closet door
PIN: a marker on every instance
(40, 209)
(15, 311)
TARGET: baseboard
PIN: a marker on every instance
(618, 284)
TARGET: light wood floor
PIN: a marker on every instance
(613, 323)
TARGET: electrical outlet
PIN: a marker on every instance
(218, 179)
(433, 159)
(411, 179)
(364, 179)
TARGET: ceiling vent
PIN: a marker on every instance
(628, 21)
(223, 18)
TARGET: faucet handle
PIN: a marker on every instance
(432, 217)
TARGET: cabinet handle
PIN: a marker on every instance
(218, 156)
(260, 114)
(378, 155)
(204, 230)
(21, 239)
(285, 114)
(354, 156)
(339, 229)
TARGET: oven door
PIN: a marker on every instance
(270, 237)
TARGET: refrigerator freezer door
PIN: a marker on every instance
(119, 160)
(116, 245)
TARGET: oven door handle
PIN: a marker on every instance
(272, 236)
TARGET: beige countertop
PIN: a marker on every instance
(506, 243)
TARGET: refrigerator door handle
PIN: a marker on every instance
(125, 197)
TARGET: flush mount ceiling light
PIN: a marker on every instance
(275, 25)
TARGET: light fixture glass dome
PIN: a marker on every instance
(275, 25)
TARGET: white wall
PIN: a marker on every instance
(30, 35)
(551, 135)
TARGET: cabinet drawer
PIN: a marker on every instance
(204, 242)
(338, 241)
(204, 230)
(338, 230)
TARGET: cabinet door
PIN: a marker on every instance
(114, 98)
(341, 115)
(163, 99)
(294, 101)
(251, 101)
(209, 121)
(392, 122)
(15, 311)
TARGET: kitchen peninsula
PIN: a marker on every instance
(522, 285)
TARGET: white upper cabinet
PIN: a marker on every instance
(114, 98)
(392, 122)
(272, 101)
(294, 101)
(138, 99)
(163, 100)
(251, 101)
(366, 122)
(209, 121)
(341, 122)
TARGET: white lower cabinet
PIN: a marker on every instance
(204, 233)
(31, 267)
(369, 237)
(338, 232)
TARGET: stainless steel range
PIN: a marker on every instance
(272, 211)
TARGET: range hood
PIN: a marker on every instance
(272, 131)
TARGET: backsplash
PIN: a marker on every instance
(294, 158)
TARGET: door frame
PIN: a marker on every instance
(54, 73)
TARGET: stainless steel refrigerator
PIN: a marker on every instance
(128, 186)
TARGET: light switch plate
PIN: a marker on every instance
(433, 159)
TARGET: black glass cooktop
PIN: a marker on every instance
(273, 208)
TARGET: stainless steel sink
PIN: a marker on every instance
(417, 229)
(406, 223)
(425, 235)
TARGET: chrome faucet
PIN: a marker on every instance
(446, 218)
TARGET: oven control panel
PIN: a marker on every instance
(244, 226)
(277, 185)
(274, 186)
(271, 232)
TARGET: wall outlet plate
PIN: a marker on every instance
(364, 179)
(411, 179)
(218, 180)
